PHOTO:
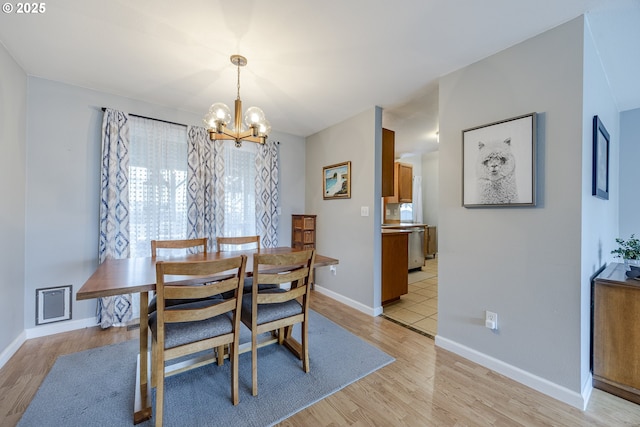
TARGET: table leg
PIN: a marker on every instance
(142, 410)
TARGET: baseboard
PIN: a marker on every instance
(348, 301)
(558, 392)
(58, 327)
(8, 352)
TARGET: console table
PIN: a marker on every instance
(616, 333)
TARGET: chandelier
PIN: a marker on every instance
(255, 127)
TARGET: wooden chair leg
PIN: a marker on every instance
(220, 351)
(305, 348)
(233, 358)
(154, 360)
(254, 363)
(159, 370)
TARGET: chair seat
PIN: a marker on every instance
(177, 334)
(269, 312)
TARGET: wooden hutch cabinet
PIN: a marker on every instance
(303, 231)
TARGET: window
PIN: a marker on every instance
(158, 185)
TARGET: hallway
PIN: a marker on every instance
(418, 309)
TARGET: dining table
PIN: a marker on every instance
(138, 275)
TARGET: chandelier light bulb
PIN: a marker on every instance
(253, 116)
(264, 129)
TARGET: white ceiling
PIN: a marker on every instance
(311, 64)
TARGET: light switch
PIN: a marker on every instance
(364, 211)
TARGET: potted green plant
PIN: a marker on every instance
(628, 250)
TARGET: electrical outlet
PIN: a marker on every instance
(333, 270)
(491, 320)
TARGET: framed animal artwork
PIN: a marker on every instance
(499, 163)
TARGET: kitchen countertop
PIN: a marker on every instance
(403, 225)
(395, 231)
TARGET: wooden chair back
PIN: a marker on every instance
(197, 280)
(178, 244)
(224, 242)
(293, 304)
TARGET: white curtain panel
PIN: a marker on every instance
(267, 193)
(114, 210)
(157, 183)
(239, 201)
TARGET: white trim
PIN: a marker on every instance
(561, 393)
(8, 352)
(58, 327)
(348, 301)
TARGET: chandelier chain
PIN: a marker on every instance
(238, 81)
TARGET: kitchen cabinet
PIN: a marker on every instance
(303, 231)
(402, 184)
(388, 153)
(616, 336)
(395, 258)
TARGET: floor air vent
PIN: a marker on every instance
(53, 304)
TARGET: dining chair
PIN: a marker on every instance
(173, 245)
(192, 327)
(233, 243)
(179, 244)
(278, 309)
(222, 242)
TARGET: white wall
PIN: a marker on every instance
(629, 173)
(63, 157)
(292, 182)
(342, 232)
(13, 95)
(523, 263)
(430, 184)
(599, 217)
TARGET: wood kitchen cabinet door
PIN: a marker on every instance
(388, 153)
(395, 261)
(405, 182)
(402, 184)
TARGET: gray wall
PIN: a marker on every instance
(342, 232)
(13, 95)
(523, 263)
(64, 126)
(629, 173)
(599, 217)
(430, 184)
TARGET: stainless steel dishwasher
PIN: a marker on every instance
(416, 247)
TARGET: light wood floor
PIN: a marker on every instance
(425, 386)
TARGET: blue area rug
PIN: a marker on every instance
(95, 387)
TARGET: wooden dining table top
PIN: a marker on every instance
(132, 275)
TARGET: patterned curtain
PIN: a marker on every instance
(205, 189)
(267, 196)
(114, 209)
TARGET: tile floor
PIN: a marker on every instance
(418, 310)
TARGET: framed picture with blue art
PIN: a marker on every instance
(499, 163)
(600, 176)
(336, 181)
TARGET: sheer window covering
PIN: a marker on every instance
(178, 184)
